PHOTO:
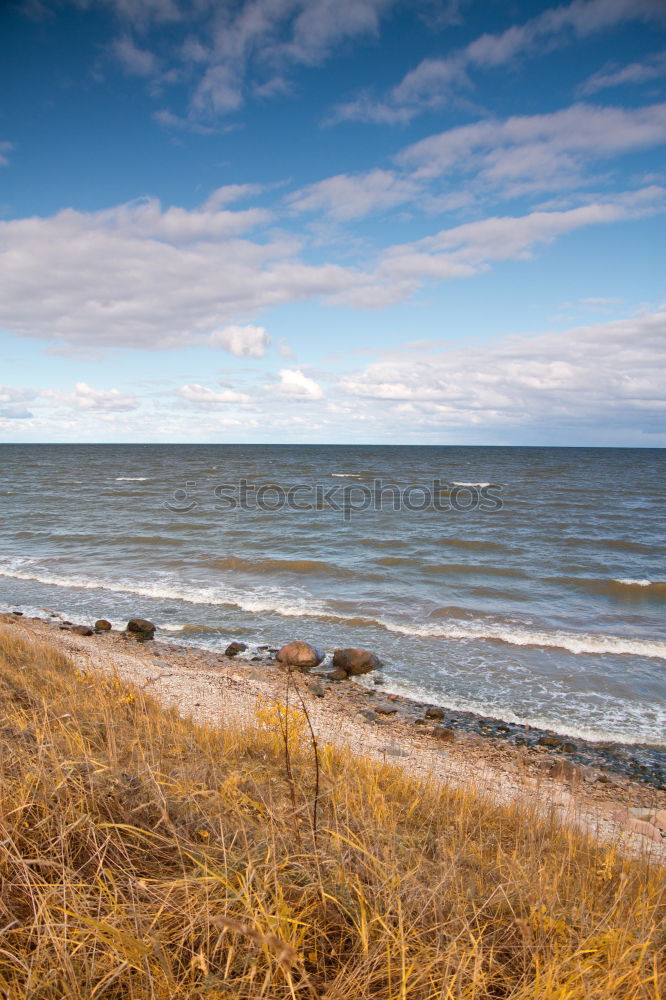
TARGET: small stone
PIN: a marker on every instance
(82, 629)
(378, 681)
(385, 708)
(316, 687)
(102, 625)
(419, 722)
(368, 715)
(435, 713)
(443, 733)
(337, 675)
(234, 648)
(19, 614)
(548, 741)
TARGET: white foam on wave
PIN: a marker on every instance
(634, 583)
(628, 722)
(131, 479)
(346, 475)
(308, 607)
(471, 484)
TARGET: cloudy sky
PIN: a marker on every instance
(434, 221)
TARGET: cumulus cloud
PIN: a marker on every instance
(92, 400)
(604, 372)
(242, 341)
(206, 398)
(433, 81)
(141, 276)
(294, 384)
(138, 275)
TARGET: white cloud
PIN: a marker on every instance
(12, 402)
(98, 400)
(134, 60)
(242, 341)
(651, 68)
(294, 384)
(209, 398)
(353, 196)
(284, 349)
(434, 81)
(5, 150)
(536, 152)
(613, 371)
(138, 275)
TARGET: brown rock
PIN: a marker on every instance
(337, 675)
(564, 769)
(140, 629)
(356, 661)
(81, 629)
(385, 708)
(443, 733)
(299, 654)
(435, 713)
(234, 648)
(102, 625)
(316, 687)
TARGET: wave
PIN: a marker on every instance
(347, 475)
(572, 642)
(470, 568)
(299, 566)
(472, 484)
(131, 479)
(477, 543)
(621, 588)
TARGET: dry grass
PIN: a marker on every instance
(142, 856)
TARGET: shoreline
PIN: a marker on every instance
(210, 687)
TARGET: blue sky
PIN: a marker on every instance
(352, 221)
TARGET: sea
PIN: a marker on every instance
(523, 583)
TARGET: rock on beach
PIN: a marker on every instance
(140, 629)
(299, 654)
(356, 661)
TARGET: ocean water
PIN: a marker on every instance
(534, 590)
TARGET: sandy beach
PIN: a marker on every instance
(214, 689)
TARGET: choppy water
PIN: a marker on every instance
(549, 610)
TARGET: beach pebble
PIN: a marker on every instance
(356, 661)
(386, 708)
(82, 629)
(316, 687)
(102, 625)
(19, 614)
(140, 629)
(299, 654)
(564, 769)
(435, 713)
(368, 715)
(443, 733)
(234, 648)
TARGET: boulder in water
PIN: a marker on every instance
(356, 661)
(234, 648)
(102, 625)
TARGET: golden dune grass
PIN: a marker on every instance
(142, 856)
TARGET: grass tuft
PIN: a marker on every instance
(143, 856)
